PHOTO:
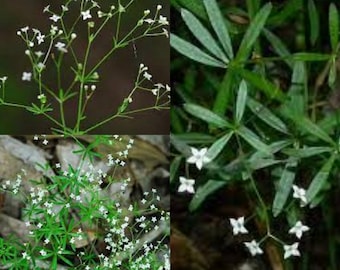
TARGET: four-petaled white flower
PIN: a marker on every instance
(147, 76)
(186, 185)
(300, 193)
(43, 252)
(26, 76)
(40, 38)
(238, 225)
(254, 248)
(299, 229)
(55, 18)
(86, 15)
(198, 157)
(291, 250)
(163, 20)
(61, 47)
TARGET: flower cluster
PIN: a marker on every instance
(67, 214)
(53, 45)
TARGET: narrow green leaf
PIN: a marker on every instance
(305, 57)
(279, 47)
(216, 148)
(224, 95)
(289, 9)
(332, 73)
(313, 22)
(204, 191)
(320, 179)
(284, 187)
(194, 53)
(253, 32)
(218, 23)
(207, 115)
(194, 6)
(241, 100)
(203, 35)
(174, 168)
(333, 26)
(195, 138)
(253, 139)
(313, 129)
(270, 90)
(267, 116)
(307, 151)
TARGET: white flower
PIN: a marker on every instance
(163, 20)
(253, 247)
(291, 250)
(26, 76)
(3, 79)
(300, 193)
(238, 225)
(147, 76)
(40, 38)
(61, 47)
(299, 229)
(86, 15)
(43, 252)
(198, 157)
(186, 185)
(55, 18)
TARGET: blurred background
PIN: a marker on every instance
(117, 75)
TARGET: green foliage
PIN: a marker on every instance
(271, 116)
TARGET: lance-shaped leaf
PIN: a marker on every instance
(216, 148)
(218, 23)
(253, 32)
(284, 187)
(333, 26)
(253, 139)
(320, 179)
(194, 53)
(207, 115)
(313, 21)
(241, 100)
(202, 35)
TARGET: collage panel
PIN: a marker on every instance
(255, 128)
(85, 202)
(81, 67)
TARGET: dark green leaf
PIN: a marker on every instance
(313, 21)
(333, 26)
(307, 151)
(174, 168)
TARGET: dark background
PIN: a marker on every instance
(116, 76)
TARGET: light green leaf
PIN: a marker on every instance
(216, 148)
(195, 138)
(307, 151)
(253, 139)
(253, 32)
(284, 187)
(332, 73)
(305, 57)
(204, 191)
(333, 26)
(202, 35)
(207, 115)
(313, 21)
(194, 53)
(320, 179)
(218, 23)
(241, 100)
(267, 116)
